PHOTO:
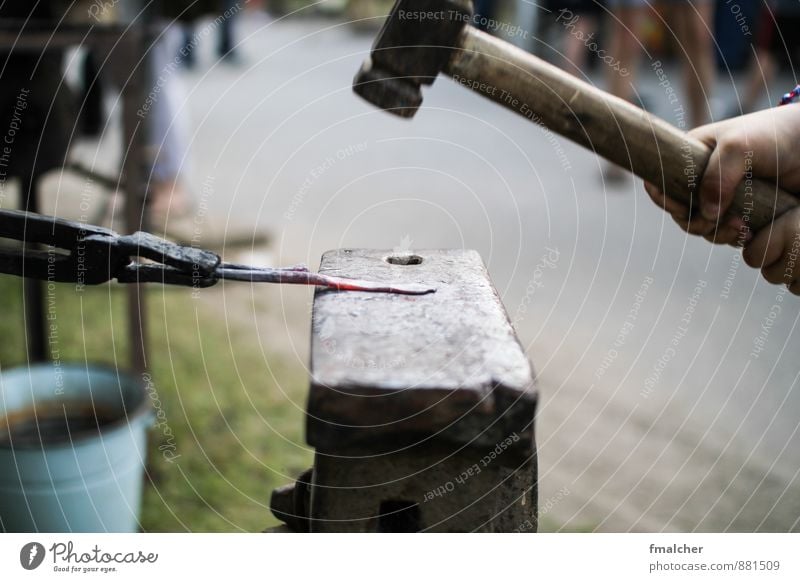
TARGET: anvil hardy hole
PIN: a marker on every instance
(399, 516)
(404, 260)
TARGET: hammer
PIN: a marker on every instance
(422, 38)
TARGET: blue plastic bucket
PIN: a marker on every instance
(84, 475)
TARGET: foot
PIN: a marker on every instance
(169, 199)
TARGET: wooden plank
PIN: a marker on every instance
(390, 369)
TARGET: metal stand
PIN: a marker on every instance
(35, 329)
(129, 43)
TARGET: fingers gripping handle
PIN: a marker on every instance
(761, 203)
(622, 133)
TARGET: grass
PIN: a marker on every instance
(234, 416)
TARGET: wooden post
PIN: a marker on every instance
(420, 409)
(135, 171)
(35, 324)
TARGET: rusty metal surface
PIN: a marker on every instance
(290, 503)
(399, 369)
(438, 488)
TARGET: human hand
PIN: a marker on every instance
(766, 145)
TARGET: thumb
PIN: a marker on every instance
(730, 159)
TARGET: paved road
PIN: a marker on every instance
(656, 413)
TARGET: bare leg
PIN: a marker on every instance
(626, 24)
(759, 75)
(695, 34)
(168, 140)
(575, 48)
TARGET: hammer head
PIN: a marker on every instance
(413, 46)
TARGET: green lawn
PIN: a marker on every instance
(236, 414)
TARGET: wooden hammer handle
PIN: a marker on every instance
(646, 145)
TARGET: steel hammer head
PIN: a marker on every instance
(413, 46)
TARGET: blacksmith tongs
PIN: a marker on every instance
(74, 252)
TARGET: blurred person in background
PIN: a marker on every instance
(690, 22)
(762, 65)
(485, 11)
(171, 202)
(580, 19)
(693, 29)
(225, 45)
(625, 21)
(694, 24)
(168, 133)
(162, 111)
